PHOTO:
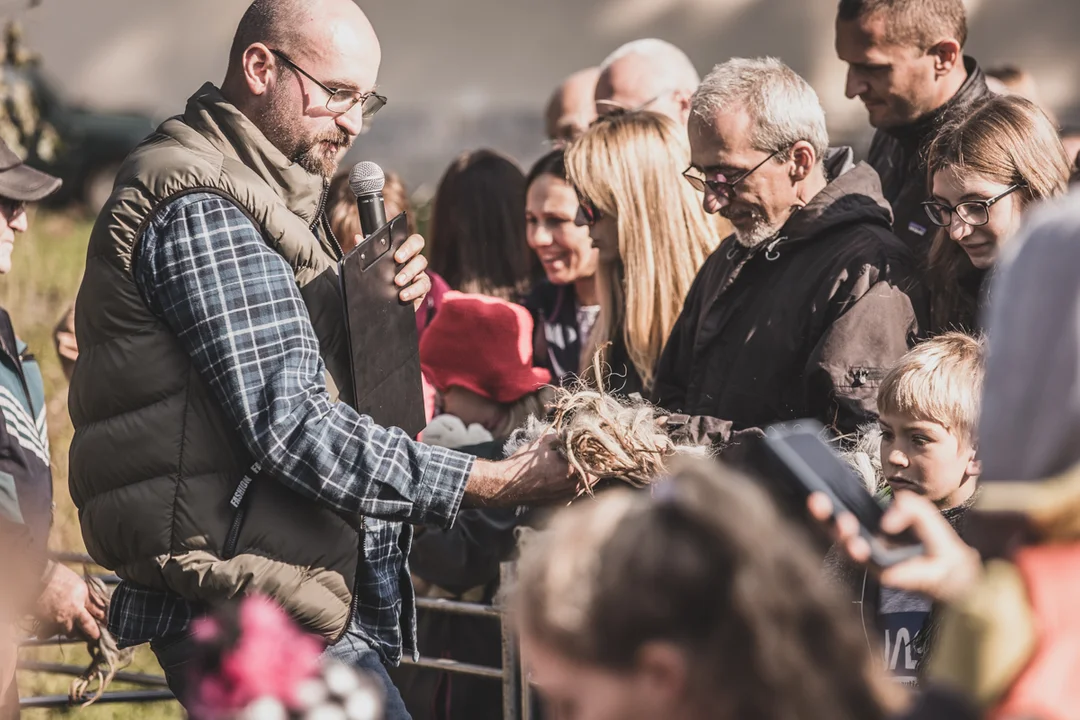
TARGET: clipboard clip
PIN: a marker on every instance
(373, 248)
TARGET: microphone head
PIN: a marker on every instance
(366, 178)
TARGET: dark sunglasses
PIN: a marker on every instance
(589, 212)
(722, 188)
(340, 101)
(973, 212)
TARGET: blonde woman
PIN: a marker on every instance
(985, 171)
(651, 234)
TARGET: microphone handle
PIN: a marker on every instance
(372, 212)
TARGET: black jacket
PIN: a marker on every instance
(899, 158)
(556, 335)
(804, 325)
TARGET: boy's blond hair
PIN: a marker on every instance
(940, 381)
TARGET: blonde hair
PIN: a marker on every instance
(1006, 139)
(940, 381)
(628, 165)
(691, 566)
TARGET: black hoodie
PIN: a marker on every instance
(803, 325)
(898, 155)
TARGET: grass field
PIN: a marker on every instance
(48, 263)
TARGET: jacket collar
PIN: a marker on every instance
(974, 87)
(236, 136)
(853, 195)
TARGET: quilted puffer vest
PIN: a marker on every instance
(155, 466)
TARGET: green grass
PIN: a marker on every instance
(48, 263)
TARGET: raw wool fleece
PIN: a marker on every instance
(603, 438)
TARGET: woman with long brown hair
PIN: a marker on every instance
(651, 233)
(695, 602)
(477, 235)
(985, 170)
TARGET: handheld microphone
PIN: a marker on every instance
(366, 181)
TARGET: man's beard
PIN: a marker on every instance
(752, 227)
(319, 154)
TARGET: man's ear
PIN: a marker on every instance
(947, 54)
(683, 99)
(260, 68)
(805, 159)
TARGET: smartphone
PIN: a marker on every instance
(796, 455)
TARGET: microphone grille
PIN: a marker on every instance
(366, 178)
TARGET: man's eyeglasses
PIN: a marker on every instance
(340, 101)
(612, 108)
(11, 209)
(721, 188)
(973, 212)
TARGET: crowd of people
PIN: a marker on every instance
(693, 248)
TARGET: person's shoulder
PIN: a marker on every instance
(195, 204)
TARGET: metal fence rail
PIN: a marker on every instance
(517, 699)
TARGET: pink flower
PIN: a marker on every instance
(270, 659)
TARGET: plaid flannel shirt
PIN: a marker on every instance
(204, 269)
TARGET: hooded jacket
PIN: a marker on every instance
(803, 325)
(897, 154)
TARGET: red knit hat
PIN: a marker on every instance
(484, 345)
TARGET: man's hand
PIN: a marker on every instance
(946, 571)
(67, 607)
(535, 475)
(412, 279)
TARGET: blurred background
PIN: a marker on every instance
(462, 74)
(84, 80)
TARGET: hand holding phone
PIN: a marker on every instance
(797, 457)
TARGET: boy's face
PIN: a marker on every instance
(924, 457)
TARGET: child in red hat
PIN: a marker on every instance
(477, 352)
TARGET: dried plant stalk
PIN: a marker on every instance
(604, 437)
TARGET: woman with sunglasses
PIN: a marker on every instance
(565, 304)
(651, 234)
(985, 171)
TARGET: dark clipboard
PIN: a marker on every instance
(384, 348)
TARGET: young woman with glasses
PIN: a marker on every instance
(985, 170)
(651, 233)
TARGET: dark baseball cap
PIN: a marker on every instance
(19, 181)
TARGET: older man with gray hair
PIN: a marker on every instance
(647, 74)
(800, 312)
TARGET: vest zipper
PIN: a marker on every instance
(320, 216)
(237, 502)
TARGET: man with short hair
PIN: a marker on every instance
(905, 62)
(801, 310)
(571, 107)
(647, 74)
(208, 460)
(33, 585)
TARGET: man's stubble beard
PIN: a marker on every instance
(281, 129)
(760, 231)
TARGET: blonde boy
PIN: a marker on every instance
(928, 407)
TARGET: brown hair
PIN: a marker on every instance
(940, 381)
(708, 565)
(344, 218)
(1006, 139)
(628, 165)
(921, 23)
(477, 236)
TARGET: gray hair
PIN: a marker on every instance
(666, 55)
(783, 107)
